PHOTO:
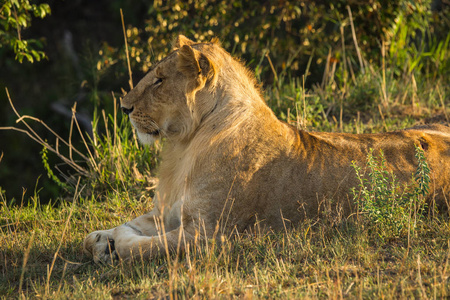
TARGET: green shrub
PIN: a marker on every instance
(291, 32)
(389, 208)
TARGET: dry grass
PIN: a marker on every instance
(40, 255)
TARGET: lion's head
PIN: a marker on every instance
(175, 95)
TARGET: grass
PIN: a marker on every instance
(334, 257)
(41, 257)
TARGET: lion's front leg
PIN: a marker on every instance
(101, 246)
(147, 236)
(130, 243)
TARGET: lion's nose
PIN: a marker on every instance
(127, 110)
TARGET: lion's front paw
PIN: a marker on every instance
(100, 245)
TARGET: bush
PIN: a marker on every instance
(293, 31)
(389, 208)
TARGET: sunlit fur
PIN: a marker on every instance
(228, 163)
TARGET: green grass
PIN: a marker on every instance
(41, 257)
(334, 257)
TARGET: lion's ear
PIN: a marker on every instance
(181, 41)
(199, 73)
(195, 64)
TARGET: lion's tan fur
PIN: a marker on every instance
(228, 162)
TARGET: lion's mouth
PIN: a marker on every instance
(150, 130)
(156, 132)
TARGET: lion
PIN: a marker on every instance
(229, 163)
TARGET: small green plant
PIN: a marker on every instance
(421, 186)
(390, 208)
(50, 174)
(422, 174)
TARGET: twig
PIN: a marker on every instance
(74, 165)
(83, 119)
(34, 136)
(21, 120)
(383, 83)
(326, 72)
(272, 67)
(130, 81)
(351, 70)
(68, 144)
(355, 40)
(32, 133)
(70, 132)
(84, 140)
(19, 36)
(115, 118)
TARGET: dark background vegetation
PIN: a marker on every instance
(84, 44)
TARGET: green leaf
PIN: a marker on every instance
(19, 57)
(46, 8)
(22, 20)
(6, 9)
(29, 57)
(42, 13)
(15, 2)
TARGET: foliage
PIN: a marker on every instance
(415, 43)
(16, 15)
(390, 209)
(291, 32)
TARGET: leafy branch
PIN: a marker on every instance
(16, 15)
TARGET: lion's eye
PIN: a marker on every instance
(158, 81)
